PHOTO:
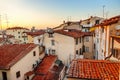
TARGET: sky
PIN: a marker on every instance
(51, 13)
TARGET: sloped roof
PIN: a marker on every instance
(37, 33)
(10, 54)
(73, 33)
(110, 21)
(17, 28)
(94, 69)
(47, 70)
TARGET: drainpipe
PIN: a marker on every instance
(105, 40)
(112, 50)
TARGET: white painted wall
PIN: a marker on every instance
(36, 39)
(24, 65)
(64, 46)
(15, 33)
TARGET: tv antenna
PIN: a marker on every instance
(103, 10)
(6, 20)
(0, 22)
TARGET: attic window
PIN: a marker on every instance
(97, 21)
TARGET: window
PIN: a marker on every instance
(18, 74)
(102, 30)
(87, 39)
(34, 53)
(94, 45)
(24, 39)
(50, 35)
(77, 41)
(28, 77)
(38, 40)
(4, 75)
(80, 39)
(77, 52)
(86, 49)
(53, 42)
(80, 51)
(18, 32)
(53, 51)
(115, 53)
(97, 40)
(97, 21)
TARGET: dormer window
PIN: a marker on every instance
(97, 21)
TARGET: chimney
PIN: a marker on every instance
(91, 16)
(33, 29)
(63, 22)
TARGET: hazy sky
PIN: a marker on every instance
(51, 13)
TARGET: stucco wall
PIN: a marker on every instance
(15, 33)
(64, 46)
(24, 65)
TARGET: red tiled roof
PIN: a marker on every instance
(73, 33)
(43, 70)
(94, 69)
(110, 21)
(37, 33)
(16, 28)
(39, 77)
(10, 54)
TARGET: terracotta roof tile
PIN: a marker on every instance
(37, 33)
(73, 33)
(47, 70)
(110, 21)
(43, 68)
(94, 69)
(16, 28)
(10, 54)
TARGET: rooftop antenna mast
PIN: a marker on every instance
(107, 14)
(7, 20)
(0, 22)
(103, 10)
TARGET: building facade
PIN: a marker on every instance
(36, 37)
(102, 39)
(19, 33)
(67, 44)
(18, 59)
